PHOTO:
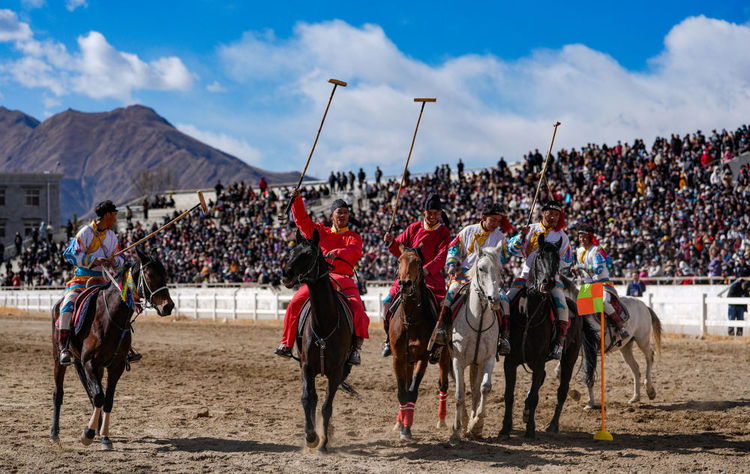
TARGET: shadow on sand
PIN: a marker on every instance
(197, 445)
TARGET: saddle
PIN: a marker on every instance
(458, 301)
(85, 307)
(434, 307)
(519, 302)
(305, 313)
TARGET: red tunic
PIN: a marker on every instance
(434, 250)
(346, 247)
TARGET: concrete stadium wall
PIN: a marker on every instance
(693, 310)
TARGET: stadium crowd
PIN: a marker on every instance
(674, 209)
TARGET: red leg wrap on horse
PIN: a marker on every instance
(442, 405)
(408, 414)
(62, 335)
(400, 418)
(563, 327)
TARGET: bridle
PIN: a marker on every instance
(142, 282)
(484, 303)
(319, 271)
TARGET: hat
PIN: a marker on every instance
(584, 227)
(552, 205)
(337, 204)
(433, 203)
(493, 209)
(104, 208)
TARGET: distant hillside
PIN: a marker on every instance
(101, 154)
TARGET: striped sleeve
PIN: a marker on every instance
(455, 252)
(75, 252)
(515, 246)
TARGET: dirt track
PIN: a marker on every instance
(213, 398)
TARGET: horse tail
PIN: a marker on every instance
(656, 330)
(590, 352)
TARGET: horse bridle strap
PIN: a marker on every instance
(142, 282)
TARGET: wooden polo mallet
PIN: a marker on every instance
(335, 83)
(423, 100)
(202, 205)
(541, 177)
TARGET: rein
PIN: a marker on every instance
(534, 316)
(483, 304)
(405, 320)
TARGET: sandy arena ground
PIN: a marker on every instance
(213, 398)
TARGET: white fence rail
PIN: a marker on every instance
(690, 310)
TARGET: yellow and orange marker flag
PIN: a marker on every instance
(591, 301)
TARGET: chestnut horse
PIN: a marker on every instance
(104, 342)
(410, 330)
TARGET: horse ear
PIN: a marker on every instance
(401, 248)
(299, 237)
(421, 244)
(316, 237)
(154, 255)
(559, 245)
(141, 254)
(541, 240)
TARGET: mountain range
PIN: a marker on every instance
(111, 155)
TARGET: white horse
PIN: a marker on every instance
(642, 326)
(474, 341)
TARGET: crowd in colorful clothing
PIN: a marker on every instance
(672, 209)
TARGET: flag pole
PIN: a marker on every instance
(603, 435)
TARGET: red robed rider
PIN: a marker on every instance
(342, 248)
(435, 239)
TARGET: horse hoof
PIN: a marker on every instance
(574, 394)
(398, 426)
(553, 428)
(405, 434)
(312, 443)
(588, 407)
(441, 424)
(87, 436)
(526, 415)
(106, 444)
(322, 450)
(530, 435)
(634, 400)
(651, 392)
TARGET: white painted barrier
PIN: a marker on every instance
(695, 310)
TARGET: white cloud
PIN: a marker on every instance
(487, 106)
(33, 3)
(11, 29)
(215, 87)
(221, 141)
(97, 70)
(73, 4)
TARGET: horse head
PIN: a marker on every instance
(546, 264)
(151, 282)
(485, 276)
(306, 263)
(410, 273)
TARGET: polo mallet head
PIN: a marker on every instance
(425, 99)
(556, 124)
(203, 205)
(337, 82)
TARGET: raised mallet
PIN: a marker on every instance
(335, 83)
(544, 170)
(202, 205)
(423, 100)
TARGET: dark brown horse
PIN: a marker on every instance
(104, 342)
(326, 335)
(410, 330)
(531, 333)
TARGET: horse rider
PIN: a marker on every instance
(92, 248)
(343, 248)
(462, 254)
(435, 238)
(593, 262)
(526, 244)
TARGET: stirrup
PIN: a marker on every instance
(624, 334)
(283, 351)
(386, 349)
(557, 351)
(133, 356)
(437, 352)
(66, 358)
(503, 346)
(355, 358)
(441, 337)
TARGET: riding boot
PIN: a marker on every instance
(355, 358)
(503, 340)
(386, 324)
(283, 351)
(387, 345)
(442, 337)
(624, 334)
(63, 338)
(133, 355)
(562, 331)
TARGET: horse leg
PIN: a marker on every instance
(412, 394)
(400, 369)
(57, 398)
(94, 377)
(460, 418)
(537, 379)
(566, 366)
(113, 376)
(483, 387)
(309, 404)
(445, 367)
(327, 410)
(648, 352)
(627, 356)
(510, 385)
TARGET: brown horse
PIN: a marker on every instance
(104, 342)
(410, 330)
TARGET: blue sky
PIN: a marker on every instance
(250, 77)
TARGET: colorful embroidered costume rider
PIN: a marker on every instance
(346, 248)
